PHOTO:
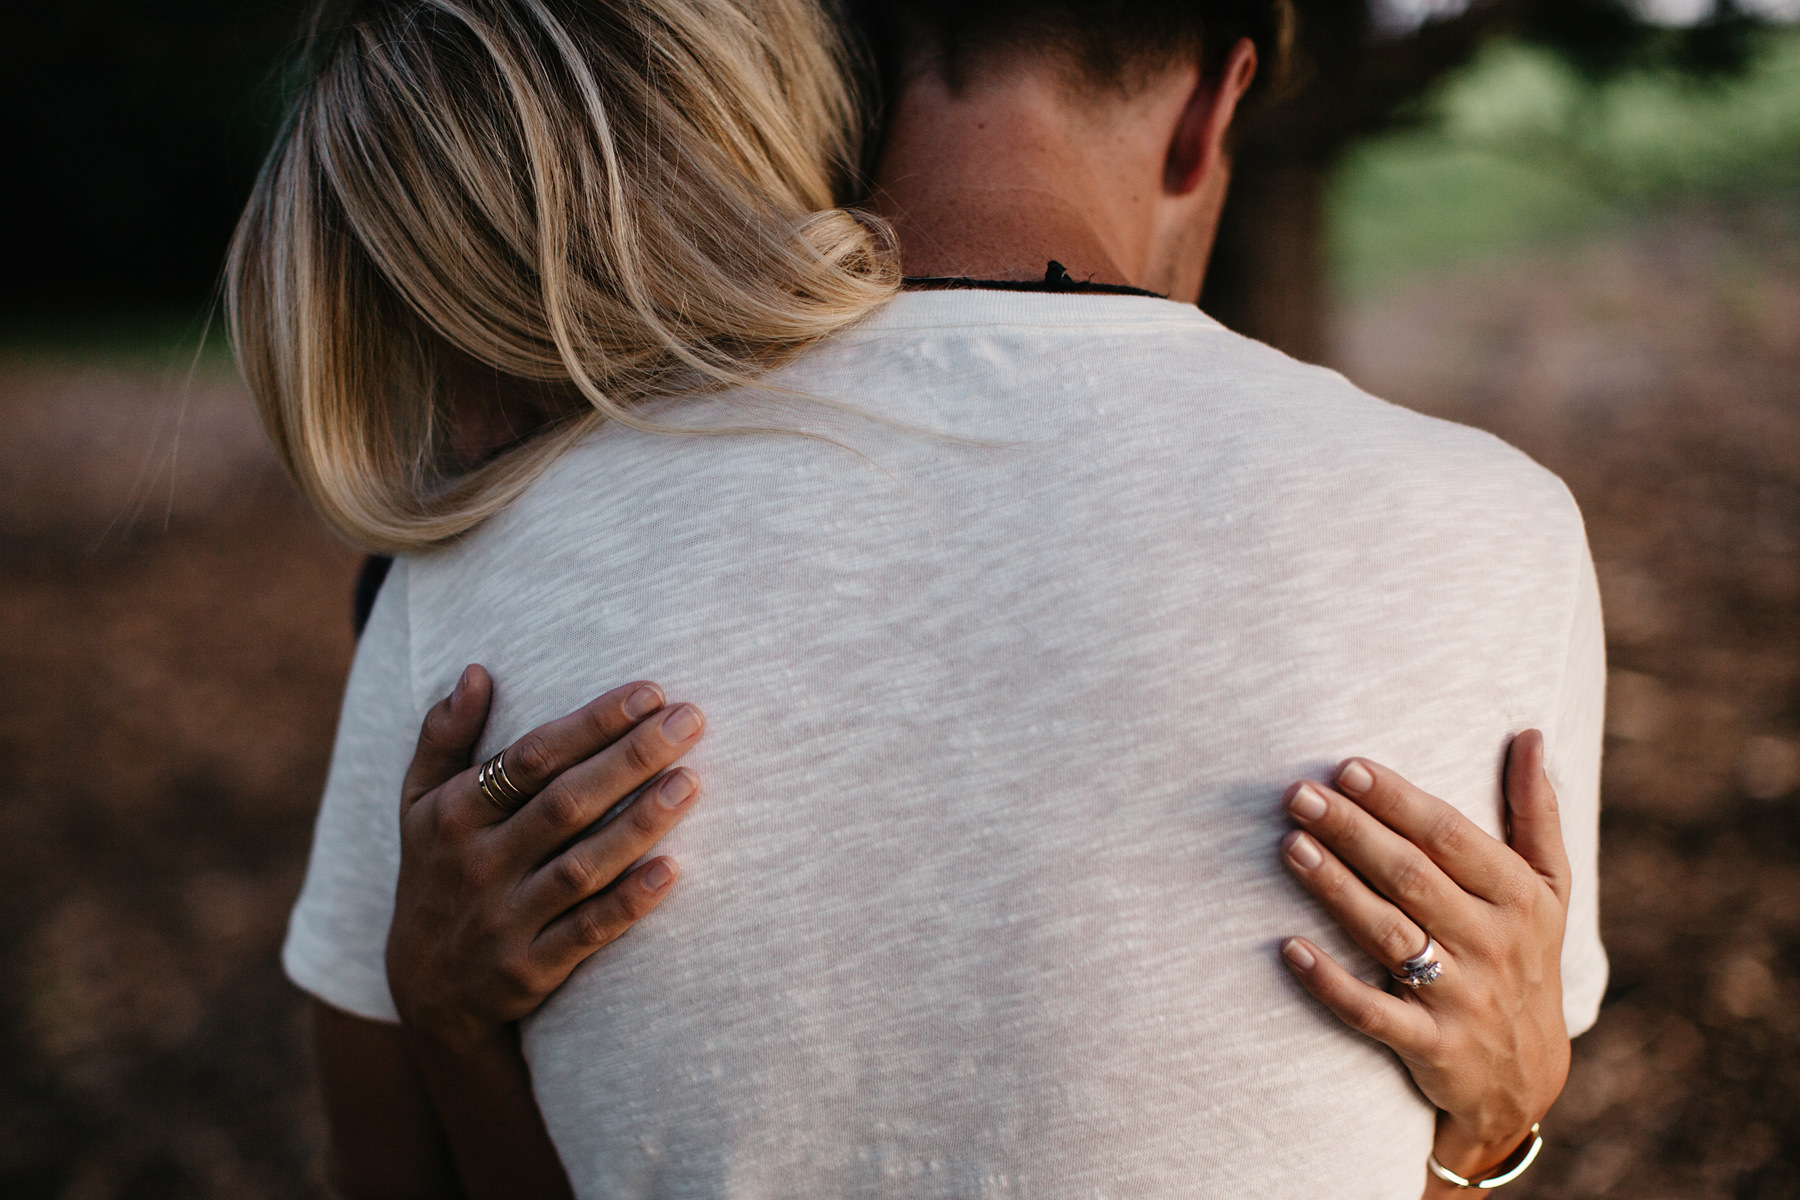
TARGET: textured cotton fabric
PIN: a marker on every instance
(982, 897)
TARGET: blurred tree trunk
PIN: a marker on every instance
(1268, 277)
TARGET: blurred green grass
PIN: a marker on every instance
(1519, 150)
(154, 340)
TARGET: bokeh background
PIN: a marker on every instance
(1573, 222)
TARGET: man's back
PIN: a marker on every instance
(983, 899)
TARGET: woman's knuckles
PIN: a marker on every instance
(603, 720)
(1520, 891)
(1365, 1016)
(1333, 885)
(1343, 828)
(531, 761)
(1386, 801)
(564, 809)
(519, 977)
(647, 751)
(593, 928)
(425, 823)
(1397, 939)
(1411, 885)
(647, 820)
(1448, 836)
(575, 876)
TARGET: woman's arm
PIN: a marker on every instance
(492, 911)
(466, 960)
(384, 1141)
(394, 1102)
(1486, 1041)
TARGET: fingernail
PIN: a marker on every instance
(681, 724)
(643, 702)
(1296, 952)
(677, 789)
(658, 875)
(1307, 803)
(1355, 778)
(1303, 850)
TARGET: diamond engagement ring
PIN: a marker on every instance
(1422, 968)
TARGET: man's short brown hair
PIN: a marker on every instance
(1109, 42)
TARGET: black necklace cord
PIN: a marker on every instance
(1056, 279)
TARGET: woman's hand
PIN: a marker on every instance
(1486, 1042)
(493, 910)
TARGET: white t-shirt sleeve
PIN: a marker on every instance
(337, 935)
(1573, 762)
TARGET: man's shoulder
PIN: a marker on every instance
(1267, 410)
(1121, 381)
(1113, 385)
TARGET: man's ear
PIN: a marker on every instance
(1197, 148)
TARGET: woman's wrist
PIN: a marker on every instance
(1475, 1150)
(454, 1034)
(480, 1088)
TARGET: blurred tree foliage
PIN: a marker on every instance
(1354, 75)
(1521, 150)
(130, 133)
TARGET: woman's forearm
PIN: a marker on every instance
(503, 892)
(483, 1100)
(384, 1139)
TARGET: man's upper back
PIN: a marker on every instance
(983, 897)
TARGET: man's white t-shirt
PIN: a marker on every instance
(982, 898)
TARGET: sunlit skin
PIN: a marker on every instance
(1023, 165)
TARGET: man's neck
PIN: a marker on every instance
(995, 182)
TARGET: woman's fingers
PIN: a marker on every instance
(596, 861)
(1392, 865)
(475, 894)
(539, 758)
(1534, 821)
(448, 736)
(588, 790)
(1477, 862)
(1487, 1042)
(1388, 935)
(1404, 1028)
(566, 942)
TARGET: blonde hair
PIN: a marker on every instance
(602, 201)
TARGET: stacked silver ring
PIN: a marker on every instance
(501, 791)
(1422, 968)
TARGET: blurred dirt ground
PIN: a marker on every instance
(176, 634)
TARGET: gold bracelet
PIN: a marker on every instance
(1526, 1154)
